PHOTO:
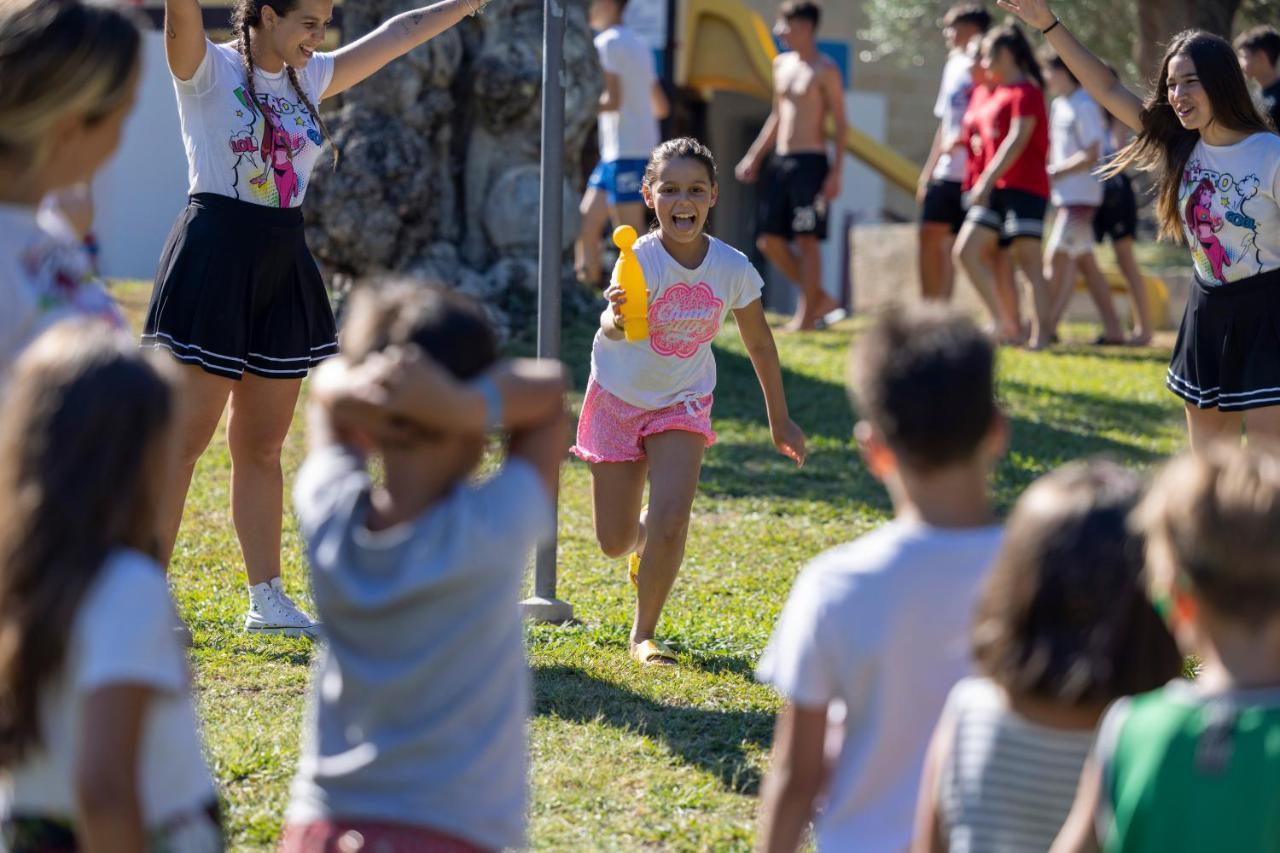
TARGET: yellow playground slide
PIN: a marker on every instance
(726, 46)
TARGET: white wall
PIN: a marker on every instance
(144, 187)
(861, 190)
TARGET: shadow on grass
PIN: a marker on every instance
(713, 740)
(1158, 355)
(821, 408)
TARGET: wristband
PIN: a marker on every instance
(492, 402)
(1055, 23)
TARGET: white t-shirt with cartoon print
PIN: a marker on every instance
(686, 309)
(228, 152)
(1230, 206)
(44, 277)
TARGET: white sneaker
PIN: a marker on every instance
(273, 612)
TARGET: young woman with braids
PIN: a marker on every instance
(1217, 159)
(238, 297)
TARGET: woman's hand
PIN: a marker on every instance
(1035, 13)
(789, 439)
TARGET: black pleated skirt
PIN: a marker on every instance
(238, 290)
(1228, 352)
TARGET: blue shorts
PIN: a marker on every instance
(620, 179)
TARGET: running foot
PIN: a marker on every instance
(273, 612)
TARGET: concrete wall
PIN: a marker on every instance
(141, 191)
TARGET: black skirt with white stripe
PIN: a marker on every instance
(1228, 352)
(238, 290)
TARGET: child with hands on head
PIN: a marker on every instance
(647, 411)
(416, 733)
(1217, 162)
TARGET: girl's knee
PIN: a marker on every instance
(617, 542)
(669, 526)
(259, 451)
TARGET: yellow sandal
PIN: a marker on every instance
(633, 562)
(653, 653)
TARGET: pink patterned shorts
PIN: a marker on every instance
(610, 430)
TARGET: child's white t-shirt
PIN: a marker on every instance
(686, 309)
(877, 630)
(122, 634)
(953, 99)
(226, 150)
(1075, 123)
(44, 278)
(1230, 206)
(630, 132)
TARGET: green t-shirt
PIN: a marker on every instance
(1184, 770)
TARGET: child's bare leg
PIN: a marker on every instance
(817, 302)
(1101, 293)
(1027, 254)
(586, 251)
(1062, 283)
(1128, 264)
(972, 249)
(617, 490)
(1206, 426)
(675, 459)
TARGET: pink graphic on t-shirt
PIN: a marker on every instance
(684, 318)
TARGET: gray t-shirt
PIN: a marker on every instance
(419, 701)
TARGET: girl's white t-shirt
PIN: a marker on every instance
(228, 152)
(44, 277)
(1075, 123)
(122, 634)
(686, 309)
(1230, 206)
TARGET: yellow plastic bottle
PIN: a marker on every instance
(629, 275)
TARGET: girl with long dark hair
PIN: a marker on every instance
(238, 297)
(1218, 165)
(98, 740)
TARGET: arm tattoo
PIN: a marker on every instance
(415, 20)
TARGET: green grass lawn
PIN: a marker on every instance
(670, 759)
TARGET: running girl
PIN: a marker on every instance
(1218, 163)
(1010, 196)
(648, 405)
(70, 72)
(238, 297)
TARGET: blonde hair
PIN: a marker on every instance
(59, 57)
(1216, 515)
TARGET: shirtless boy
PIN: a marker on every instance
(800, 181)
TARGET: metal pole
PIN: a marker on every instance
(544, 606)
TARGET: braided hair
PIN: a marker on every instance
(247, 15)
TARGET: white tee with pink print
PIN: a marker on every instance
(686, 310)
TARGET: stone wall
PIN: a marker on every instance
(438, 175)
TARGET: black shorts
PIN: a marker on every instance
(791, 200)
(1011, 214)
(944, 203)
(237, 289)
(1117, 216)
(1228, 352)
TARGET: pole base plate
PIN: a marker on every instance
(546, 610)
